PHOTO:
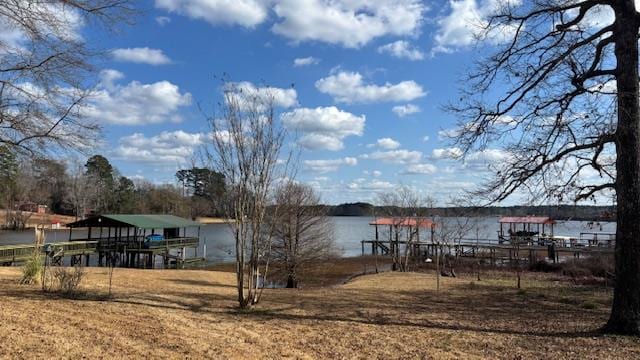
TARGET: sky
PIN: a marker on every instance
(361, 83)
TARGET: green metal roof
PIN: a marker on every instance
(138, 221)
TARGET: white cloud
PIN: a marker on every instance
(246, 13)
(482, 156)
(488, 156)
(284, 98)
(348, 87)
(402, 49)
(425, 138)
(324, 166)
(315, 141)
(466, 22)
(169, 147)
(323, 127)
(298, 62)
(376, 173)
(446, 153)
(395, 156)
(422, 169)
(135, 103)
(387, 143)
(142, 55)
(163, 20)
(374, 184)
(404, 110)
(350, 23)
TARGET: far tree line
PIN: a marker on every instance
(97, 187)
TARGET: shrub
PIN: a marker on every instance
(544, 266)
(68, 280)
(32, 269)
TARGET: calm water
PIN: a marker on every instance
(349, 231)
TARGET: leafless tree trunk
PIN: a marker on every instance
(303, 233)
(569, 105)
(246, 146)
(403, 204)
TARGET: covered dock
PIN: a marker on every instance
(525, 229)
(395, 226)
(136, 240)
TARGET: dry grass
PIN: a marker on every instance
(192, 314)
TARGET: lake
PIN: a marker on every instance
(349, 231)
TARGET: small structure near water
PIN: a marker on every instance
(136, 240)
(412, 225)
(519, 229)
(520, 239)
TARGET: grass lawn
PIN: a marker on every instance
(192, 314)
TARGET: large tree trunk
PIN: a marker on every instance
(625, 312)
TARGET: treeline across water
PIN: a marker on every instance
(558, 212)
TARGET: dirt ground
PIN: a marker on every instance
(192, 314)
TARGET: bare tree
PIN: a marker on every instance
(404, 206)
(79, 190)
(302, 232)
(246, 147)
(567, 105)
(44, 71)
(448, 232)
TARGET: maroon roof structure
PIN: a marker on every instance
(400, 221)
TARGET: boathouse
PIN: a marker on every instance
(412, 225)
(525, 228)
(136, 240)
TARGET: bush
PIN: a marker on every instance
(32, 270)
(544, 266)
(601, 266)
(67, 280)
(598, 265)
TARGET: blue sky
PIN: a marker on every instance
(374, 74)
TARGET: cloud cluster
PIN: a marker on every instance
(168, 147)
(283, 98)
(323, 127)
(402, 49)
(306, 61)
(446, 153)
(405, 110)
(420, 169)
(325, 166)
(375, 184)
(386, 143)
(400, 156)
(135, 103)
(246, 13)
(344, 22)
(466, 22)
(142, 55)
(349, 87)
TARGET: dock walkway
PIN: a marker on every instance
(132, 253)
(490, 250)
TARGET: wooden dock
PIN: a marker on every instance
(135, 252)
(489, 250)
(131, 253)
(11, 254)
